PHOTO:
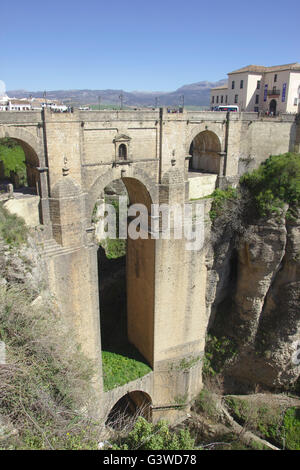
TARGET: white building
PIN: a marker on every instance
(257, 88)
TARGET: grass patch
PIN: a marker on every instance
(13, 157)
(291, 428)
(120, 369)
(13, 229)
(46, 378)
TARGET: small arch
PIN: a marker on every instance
(272, 107)
(122, 152)
(205, 149)
(19, 165)
(31, 162)
(128, 408)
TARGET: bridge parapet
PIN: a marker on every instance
(18, 117)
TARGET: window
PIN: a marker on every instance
(256, 99)
(258, 85)
(217, 99)
(122, 152)
(236, 98)
(295, 101)
(256, 109)
(232, 85)
(213, 99)
(222, 99)
(226, 99)
(275, 77)
(242, 84)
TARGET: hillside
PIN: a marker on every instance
(196, 94)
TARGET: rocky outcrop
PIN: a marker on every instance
(259, 304)
(23, 265)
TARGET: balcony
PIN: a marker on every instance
(273, 92)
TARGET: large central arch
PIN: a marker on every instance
(140, 272)
(205, 150)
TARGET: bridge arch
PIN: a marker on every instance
(24, 137)
(33, 156)
(140, 270)
(205, 150)
(141, 188)
(128, 408)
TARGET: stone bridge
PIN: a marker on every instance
(161, 157)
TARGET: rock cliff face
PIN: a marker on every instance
(254, 298)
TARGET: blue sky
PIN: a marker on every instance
(155, 45)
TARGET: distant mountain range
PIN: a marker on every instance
(196, 94)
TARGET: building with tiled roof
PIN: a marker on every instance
(256, 88)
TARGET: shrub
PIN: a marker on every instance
(291, 431)
(147, 436)
(220, 197)
(275, 182)
(217, 352)
(46, 379)
(206, 403)
(13, 229)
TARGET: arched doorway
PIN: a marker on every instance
(19, 165)
(205, 150)
(272, 108)
(126, 290)
(128, 409)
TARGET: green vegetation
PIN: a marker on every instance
(11, 153)
(291, 425)
(219, 199)
(147, 436)
(119, 369)
(269, 421)
(206, 403)
(12, 228)
(217, 352)
(114, 247)
(275, 182)
(46, 378)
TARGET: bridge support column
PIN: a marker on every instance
(73, 278)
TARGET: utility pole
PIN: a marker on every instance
(121, 100)
(182, 100)
(156, 102)
(44, 96)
